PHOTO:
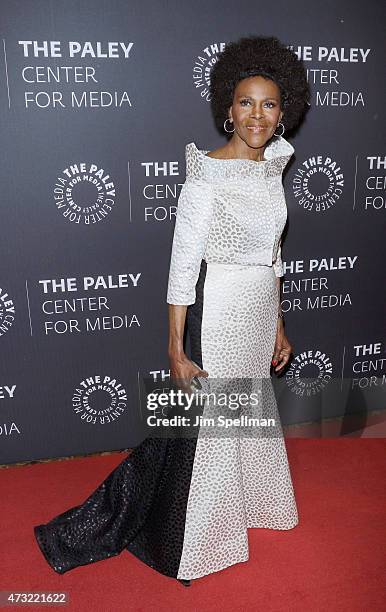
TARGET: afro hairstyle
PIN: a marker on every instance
(265, 56)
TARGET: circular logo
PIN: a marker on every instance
(318, 183)
(99, 399)
(7, 311)
(309, 372)
(202, 67)
(84, 194)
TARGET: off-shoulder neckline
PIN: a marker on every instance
(277, 154)
(203, 153)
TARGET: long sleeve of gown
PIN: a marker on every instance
(278, 264)
(191, 230)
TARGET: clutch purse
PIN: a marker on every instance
(199, 384)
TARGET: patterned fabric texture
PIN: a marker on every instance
(183, 506)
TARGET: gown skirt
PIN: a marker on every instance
(183, 505)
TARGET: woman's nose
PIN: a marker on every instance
(256, 111)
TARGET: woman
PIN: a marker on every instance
(183, 504)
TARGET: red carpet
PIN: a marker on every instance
(334, 560)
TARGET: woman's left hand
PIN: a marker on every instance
(282, 350)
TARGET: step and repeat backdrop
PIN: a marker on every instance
(97, 102)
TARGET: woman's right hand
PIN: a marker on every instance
(182, 370)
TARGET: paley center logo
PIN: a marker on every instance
(84, 193)
(202, 68)
(99, 399)
(309, 372)
(7, 311)
(318, 183)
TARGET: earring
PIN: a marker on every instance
(229, 131)
(282, 131)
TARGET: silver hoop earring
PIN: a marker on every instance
(225, 129)
(280, 123)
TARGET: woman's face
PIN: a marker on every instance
(255, 110)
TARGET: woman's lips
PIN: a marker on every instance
(256, 129)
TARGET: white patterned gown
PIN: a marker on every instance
(183, 505)
(225, 259)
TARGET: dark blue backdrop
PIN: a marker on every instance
(98, 101)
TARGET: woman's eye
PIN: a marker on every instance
(245, 102)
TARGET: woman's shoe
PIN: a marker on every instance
(184, 582)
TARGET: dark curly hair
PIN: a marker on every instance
(264, 56)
